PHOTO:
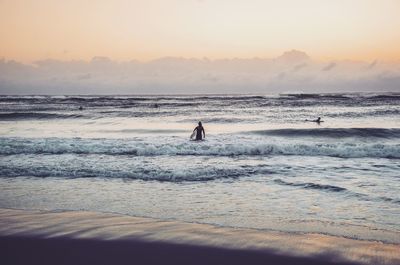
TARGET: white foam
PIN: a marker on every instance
(217, 146)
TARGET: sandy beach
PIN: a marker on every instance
(78, 237)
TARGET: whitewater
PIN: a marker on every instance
(261, 166)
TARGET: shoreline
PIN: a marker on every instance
(82, 237)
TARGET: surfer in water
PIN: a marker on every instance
(317, 120)
(199, 130)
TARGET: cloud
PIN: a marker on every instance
(299, 66)
(293, 56)
(292, 71)
(372, 65)
(329, 67)
(84, 76)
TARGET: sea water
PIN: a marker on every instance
(261, 166)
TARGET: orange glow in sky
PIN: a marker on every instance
(146, 29)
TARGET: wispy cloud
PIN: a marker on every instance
(329, 67)
(293, 71)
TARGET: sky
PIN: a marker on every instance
(124, 30)
(198, 46)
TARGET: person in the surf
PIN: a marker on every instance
(200, 132)
(318, 120)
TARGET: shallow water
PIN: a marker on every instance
(261, 166)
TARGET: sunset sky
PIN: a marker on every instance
(123, 30)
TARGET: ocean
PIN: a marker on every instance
(261, 165)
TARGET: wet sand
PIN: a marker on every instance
(78, 237)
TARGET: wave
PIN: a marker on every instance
(136, 106)
(177, 176)
(136, 97)
(370, 113)
(131, 99)
(310, 185)
(333, 132)
(344, 96)
(36, 115)
(218, 120)
(204, 96)
(212, 147)
(316, 96)
(90, 167)
(387, 199)
(332, 188)
(387, 96)
(146, 131)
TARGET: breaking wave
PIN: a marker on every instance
(162, 169)
(36, 115)
(333, 132)
(212, 147)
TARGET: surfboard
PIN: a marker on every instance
(193, 135)
(314, 121)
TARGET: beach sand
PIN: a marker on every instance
(80, 237)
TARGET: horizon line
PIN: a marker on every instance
(202, 58)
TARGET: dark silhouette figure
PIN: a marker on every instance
(80, 108)
(200, 132)
(316, 120)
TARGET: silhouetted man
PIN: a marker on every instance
(199, 130)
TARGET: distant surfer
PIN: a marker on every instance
(318, 120)
(199, 132)
(80, 108)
